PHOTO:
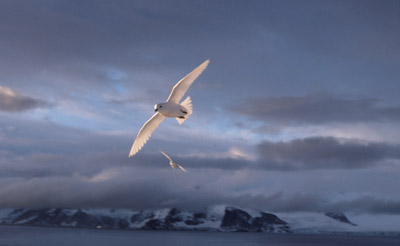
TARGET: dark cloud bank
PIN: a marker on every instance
(326, 152)
(318, 108)
(11, 101)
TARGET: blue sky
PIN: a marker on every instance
(298, 109)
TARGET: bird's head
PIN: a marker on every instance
(158, 106)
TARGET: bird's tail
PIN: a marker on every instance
(188, 107)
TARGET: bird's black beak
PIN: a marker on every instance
(155, 110)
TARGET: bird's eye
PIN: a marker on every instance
(160, 106)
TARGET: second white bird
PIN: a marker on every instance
(172, 163)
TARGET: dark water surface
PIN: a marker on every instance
(37, 236)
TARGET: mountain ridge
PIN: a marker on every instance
(219, 218)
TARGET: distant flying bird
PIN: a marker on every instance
(172, 163)
(171, 108)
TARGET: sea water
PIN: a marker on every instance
(44, 236)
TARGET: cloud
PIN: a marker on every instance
(11, 101)
(326, 152)
(317, 108)
(309, 202)
(135, 189)
(49, 150)
(47, 165)
(368, 204)
(45, 149)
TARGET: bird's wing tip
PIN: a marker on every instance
(132, 153)
(183, 169)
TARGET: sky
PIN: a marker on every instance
(298, 110)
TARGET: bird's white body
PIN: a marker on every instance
(172, 108)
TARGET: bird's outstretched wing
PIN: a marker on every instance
(183, 169)
(145, 132)
(183, 85)
(169, 158)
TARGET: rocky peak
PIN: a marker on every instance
(239, 220)
(339, 217)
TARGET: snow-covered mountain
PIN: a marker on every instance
(217, 218)
(228, 219)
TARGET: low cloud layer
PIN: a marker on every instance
(49, 165)
(318, 108)
(117, 190)
(326, 152)
(11, 101)
(309, 202)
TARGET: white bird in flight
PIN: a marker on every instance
(172, 163)
(171, 108)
